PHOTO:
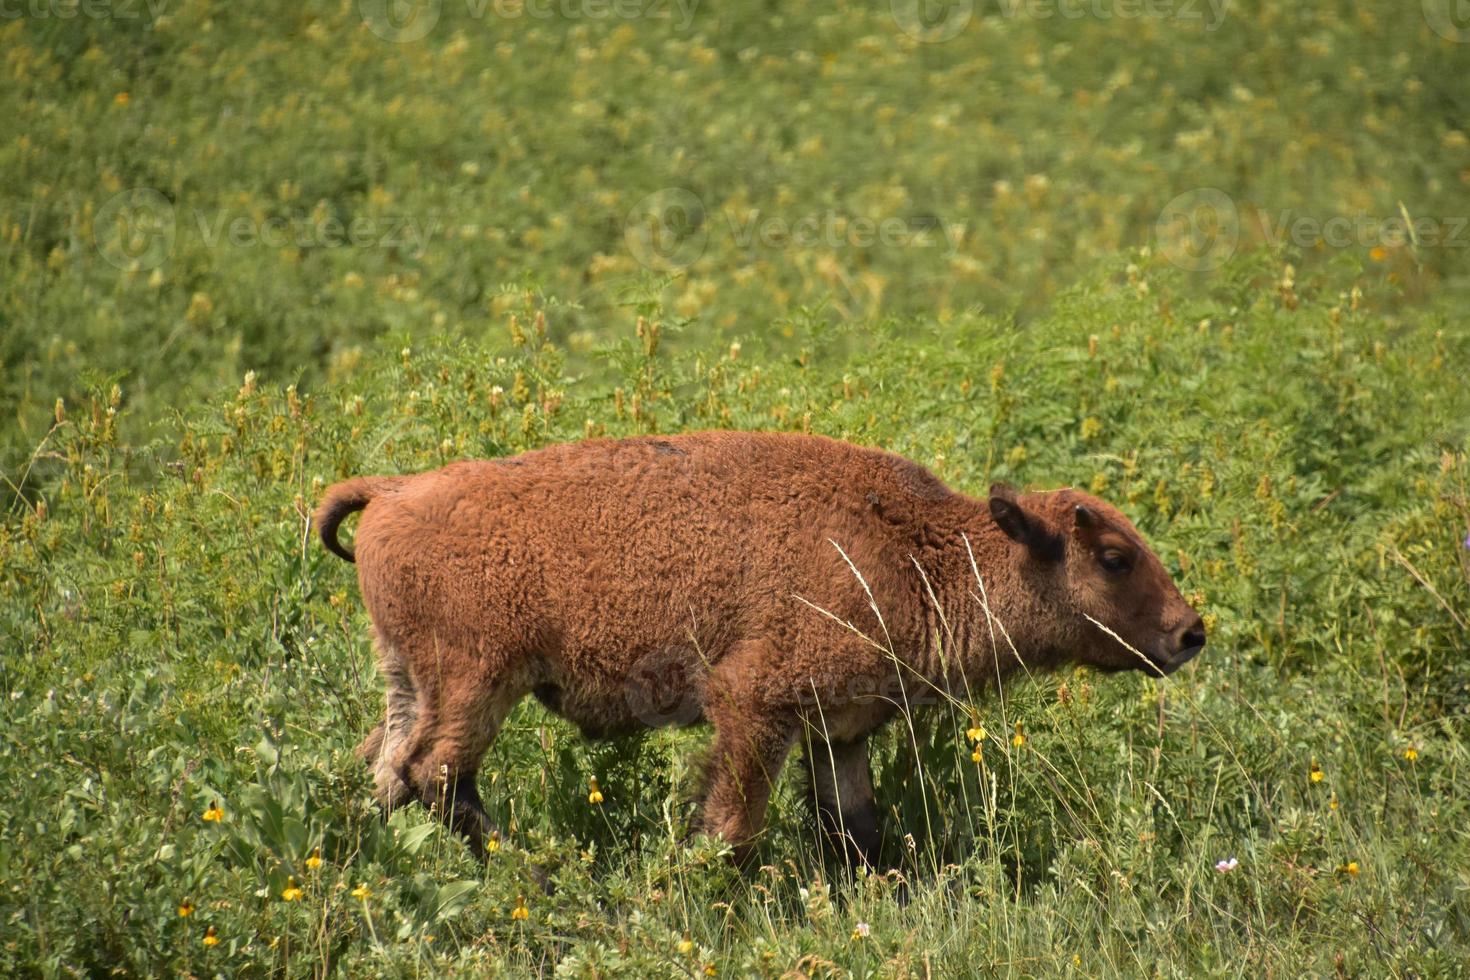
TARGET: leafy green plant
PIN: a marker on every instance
(187, 672)
(198, 672)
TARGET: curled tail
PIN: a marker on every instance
(345, 498)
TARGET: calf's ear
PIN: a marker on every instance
(1006, 511)
(1085, 525)
(1023, 528)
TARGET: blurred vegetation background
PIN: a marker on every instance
(1206, 260)
(279, 185)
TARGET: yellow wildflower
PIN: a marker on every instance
(1351, 868)
(493, 844)
(122, 98)
(214, 814)
(1018, 739)
(1332, 803)
(1411, 753)
(595, 795)
(315, 861)
(291, 892)
(186, 909)
(362, 893)
(975, 733)
(709, 970)
(1315, 773)
(975, 755)
(686, 945)
(520, 913)
(210, 939)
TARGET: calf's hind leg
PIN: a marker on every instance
(380, 747)
(459, 715)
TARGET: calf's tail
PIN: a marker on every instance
(346, 498)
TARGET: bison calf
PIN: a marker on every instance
(784, 588)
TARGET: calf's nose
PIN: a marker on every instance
(1191, 635)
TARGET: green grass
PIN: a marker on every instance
(1011, 157)
(1301, 465)
(1290, 428)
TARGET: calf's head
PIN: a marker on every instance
(1084, 559)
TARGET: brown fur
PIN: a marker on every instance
(715, 576)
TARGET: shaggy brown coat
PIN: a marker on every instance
(784, 588)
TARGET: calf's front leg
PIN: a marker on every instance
(754, 733)
(743, 768)
(842, 794)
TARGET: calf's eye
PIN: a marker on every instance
(1114, 561)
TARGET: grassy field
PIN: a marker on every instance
(1209, 262)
